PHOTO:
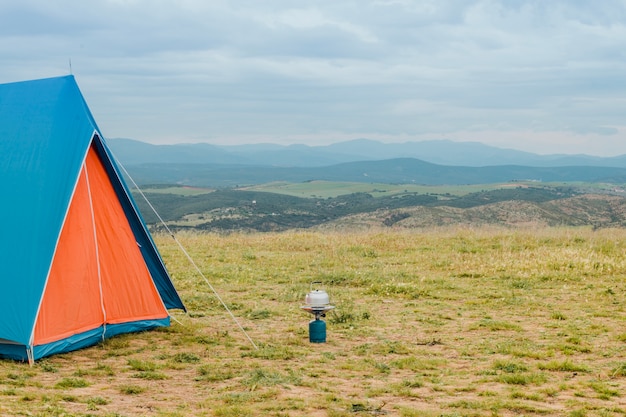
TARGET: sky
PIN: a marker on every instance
(543, 76)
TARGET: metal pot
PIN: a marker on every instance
(317, 298)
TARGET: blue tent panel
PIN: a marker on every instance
(45, 129)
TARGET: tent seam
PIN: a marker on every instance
(97, 253)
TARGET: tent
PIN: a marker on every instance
(77, 263)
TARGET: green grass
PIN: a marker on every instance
(446, 322)
(66, 383)
(178, 190)
(131, 389)
(331, 189)
(563, 366)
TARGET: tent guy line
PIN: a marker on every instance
(187, 255)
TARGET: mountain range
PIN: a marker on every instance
(428, 162)
(440, 152)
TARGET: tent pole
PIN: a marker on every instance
(30, 355)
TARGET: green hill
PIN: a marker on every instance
(505, 204)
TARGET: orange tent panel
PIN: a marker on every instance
(98, 274)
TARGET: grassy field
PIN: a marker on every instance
(331, 189)
(177, 190)
(449, 322)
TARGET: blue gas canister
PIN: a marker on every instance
(317, 331)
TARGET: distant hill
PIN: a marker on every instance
(596, 211)
(535, 190)
(362, 160)
(440, 152)
(510, 206)
(392, 171)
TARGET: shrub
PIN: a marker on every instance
(71, 383)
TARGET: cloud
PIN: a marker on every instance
(192, 70)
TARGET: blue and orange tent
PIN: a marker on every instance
(78, 263)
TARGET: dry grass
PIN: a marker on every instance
(451, 322)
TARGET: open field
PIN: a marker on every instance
(446, 322)
(177, 190)
(332, 189)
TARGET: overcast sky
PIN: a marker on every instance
(545, 76)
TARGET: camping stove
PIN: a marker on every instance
(317, 303)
